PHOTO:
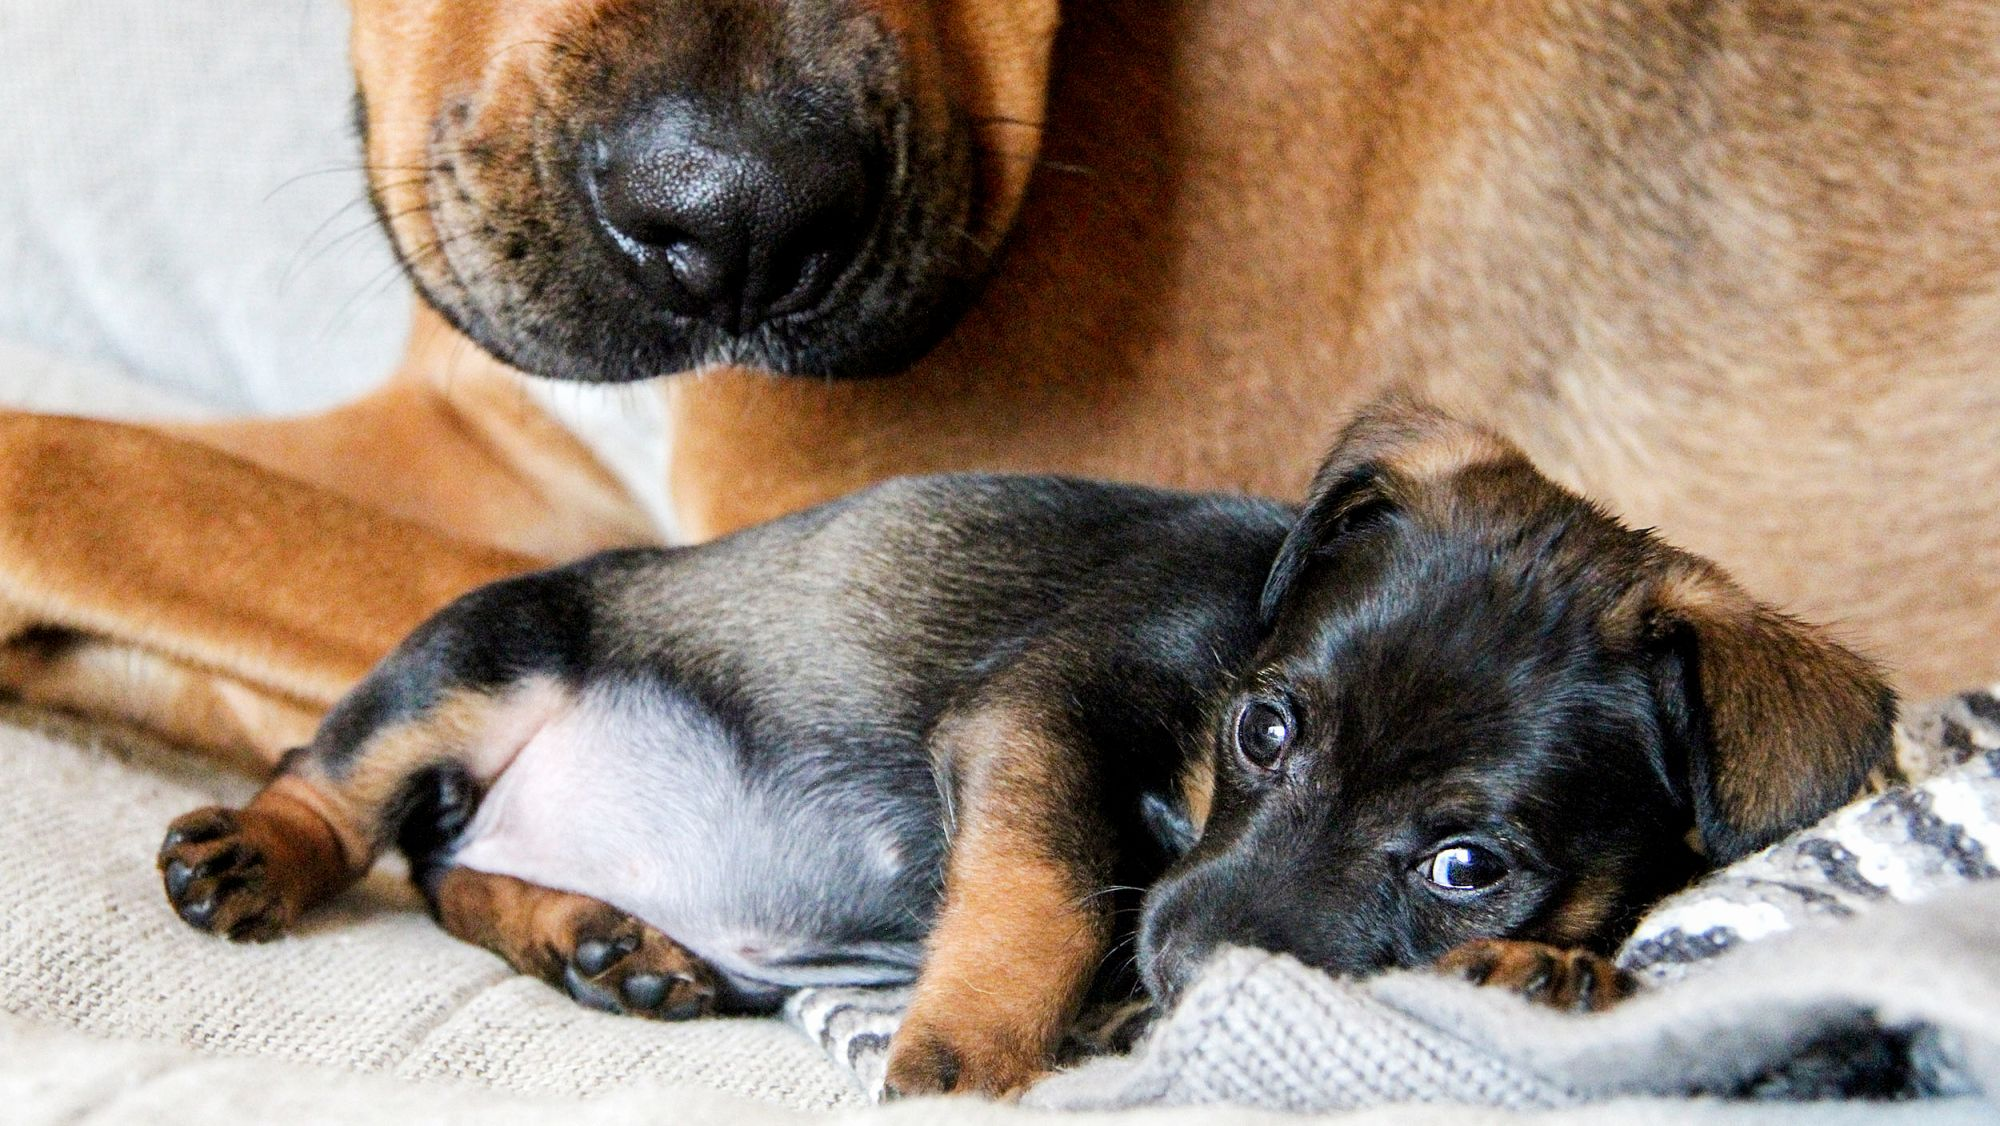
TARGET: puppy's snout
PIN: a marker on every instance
(1173, 944)
(732, 213)
(1171, 965)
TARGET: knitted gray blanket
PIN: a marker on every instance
(1864, 961)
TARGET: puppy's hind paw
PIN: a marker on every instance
(1574, 980)
(618, 964)
(217, 879)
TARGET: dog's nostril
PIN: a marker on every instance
(731, 215)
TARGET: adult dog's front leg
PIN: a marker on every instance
(1023, 927)
(120, 536)
(224, 583)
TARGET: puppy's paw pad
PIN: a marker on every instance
(215, 877)
(1561, 978)
(618, 964)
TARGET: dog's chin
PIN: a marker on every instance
(560, 306)
(613, 349)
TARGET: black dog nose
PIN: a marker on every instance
(732, 213)
(1170, 964)
(1175, 938)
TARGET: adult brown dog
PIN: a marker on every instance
(1727, 266)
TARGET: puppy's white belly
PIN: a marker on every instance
(774, 872)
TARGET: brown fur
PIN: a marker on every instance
(1782, 701)
(1576, 980)
(251, 873)
(540, 931)
(1023, 926)
(1726, 267)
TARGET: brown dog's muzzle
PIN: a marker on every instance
(617, 189)
(734, 214)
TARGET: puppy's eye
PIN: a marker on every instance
(1263, 731)
(1463, 867)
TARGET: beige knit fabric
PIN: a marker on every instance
(50, 1078)
(87, 941)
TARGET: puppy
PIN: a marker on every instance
(1483, 709)
(937, 730)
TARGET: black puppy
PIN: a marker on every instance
(938, 731)
(1485, 710)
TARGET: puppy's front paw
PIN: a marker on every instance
(618, 964)
(936, 1058)
(1575, 980)
(217, 877)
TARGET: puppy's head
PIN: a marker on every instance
(1486, 709)
(618, 189)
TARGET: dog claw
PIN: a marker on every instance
(199, 827)
(177, 875)
(584, 993)
(198, 913)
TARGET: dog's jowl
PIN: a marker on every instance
(943, 731)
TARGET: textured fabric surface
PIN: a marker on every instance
(1261, 1029)
(50, 1077)
(184, 203)
(1940, 832)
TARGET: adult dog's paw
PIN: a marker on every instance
(1575, 980)
(218, 878)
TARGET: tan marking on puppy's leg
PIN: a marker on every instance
(250, 874)
(599, 955)
(1022, 929)
(1561, 978)
(1010, 959)
(317, 827)
(474, 728)
(480, 730)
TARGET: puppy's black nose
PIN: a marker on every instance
(731, 212)
(1169, 966)
(1174, 940)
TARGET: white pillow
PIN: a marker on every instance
(165, 170)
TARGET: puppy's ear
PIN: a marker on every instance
(1337, 507)
(1389, 452)
(1778, 723)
